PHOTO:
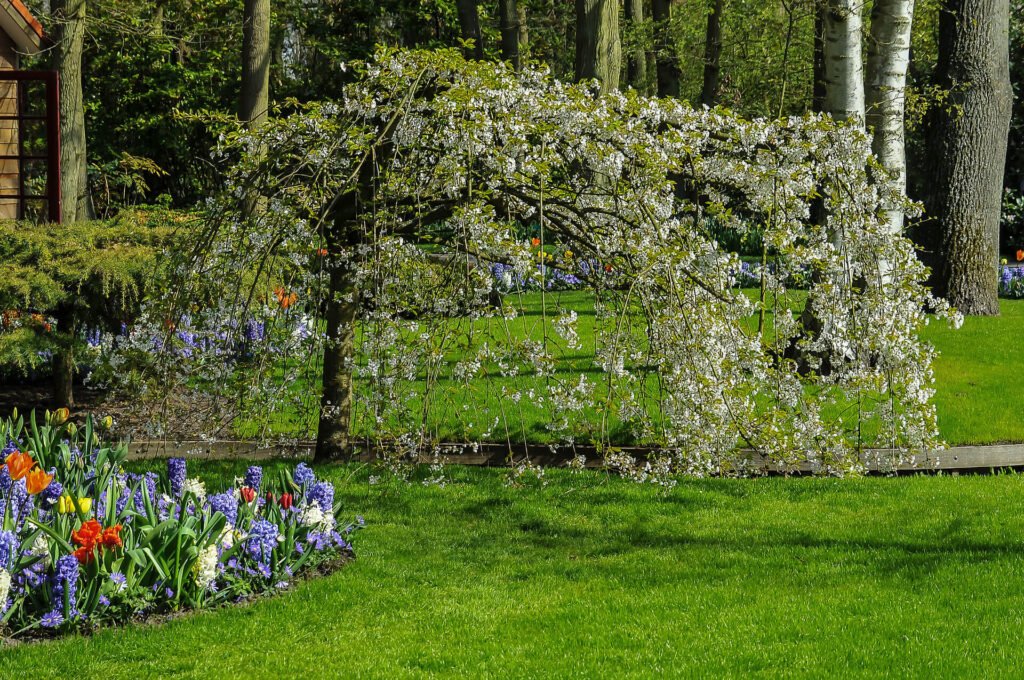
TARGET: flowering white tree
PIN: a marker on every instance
(633, 192)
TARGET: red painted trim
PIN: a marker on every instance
(20, 8)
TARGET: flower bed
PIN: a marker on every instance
(85, 543)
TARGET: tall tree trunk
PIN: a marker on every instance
(334, 434)
(888, 60)
(636, 64)
(844, 65)
(255, 96)
(63, 367)
(667, 61)
(598, 50)
(469, 24)
(818, 87)
(524, 33)
(69, 35)
(712, 55)
(968, 141)
(508, 11)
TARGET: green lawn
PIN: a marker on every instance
(594, 577)
(979, 390)
(980, 377)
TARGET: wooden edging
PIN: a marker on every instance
(955, 459)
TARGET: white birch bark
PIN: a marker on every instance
(844, 66)
(888, 60)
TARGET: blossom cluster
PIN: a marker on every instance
(84, 543)
(619, 183)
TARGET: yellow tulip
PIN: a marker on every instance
(66, 505)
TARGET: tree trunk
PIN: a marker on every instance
(63, 367)
(968, 139)
(508, 11)
(598, 51)
(469, 23)
(667, 61)
(844, 65)
(69, 34)
(524, 33)
(334, 435)
(888, 60)
(255, 96)
(636, 64)
(818, 87)
(712, 55)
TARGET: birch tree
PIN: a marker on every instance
(888, 60)
(844, 67)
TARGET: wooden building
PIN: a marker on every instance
(21, 34)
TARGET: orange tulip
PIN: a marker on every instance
(1020, 255)
(18, 464)
(111, 537)
(37, 480)
(535, 242)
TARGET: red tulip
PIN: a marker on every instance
(286, 501)
(270, 498)
(248, 494)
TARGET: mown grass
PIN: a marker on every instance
(979, 380)
(594, 577)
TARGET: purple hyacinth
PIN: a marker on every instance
(321, 493)
(262, 540)
(5, 480)
(21, 501)
(225, 503)
(65, 586)
(8, 549)
(254, 477)
(254, 330)
(51, 494)
(176, 472)
(303, 475)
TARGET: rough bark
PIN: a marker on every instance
(334, 434)
(255, 96)
(508, 11)
(844, 65)
(69, 35)
(469, 24)
(636, 63)
(524, 33)
(667, 62)
(968, 139)
(712, 55)
(818, 101)
(63, 367)
(598, 50)
(888, 60)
